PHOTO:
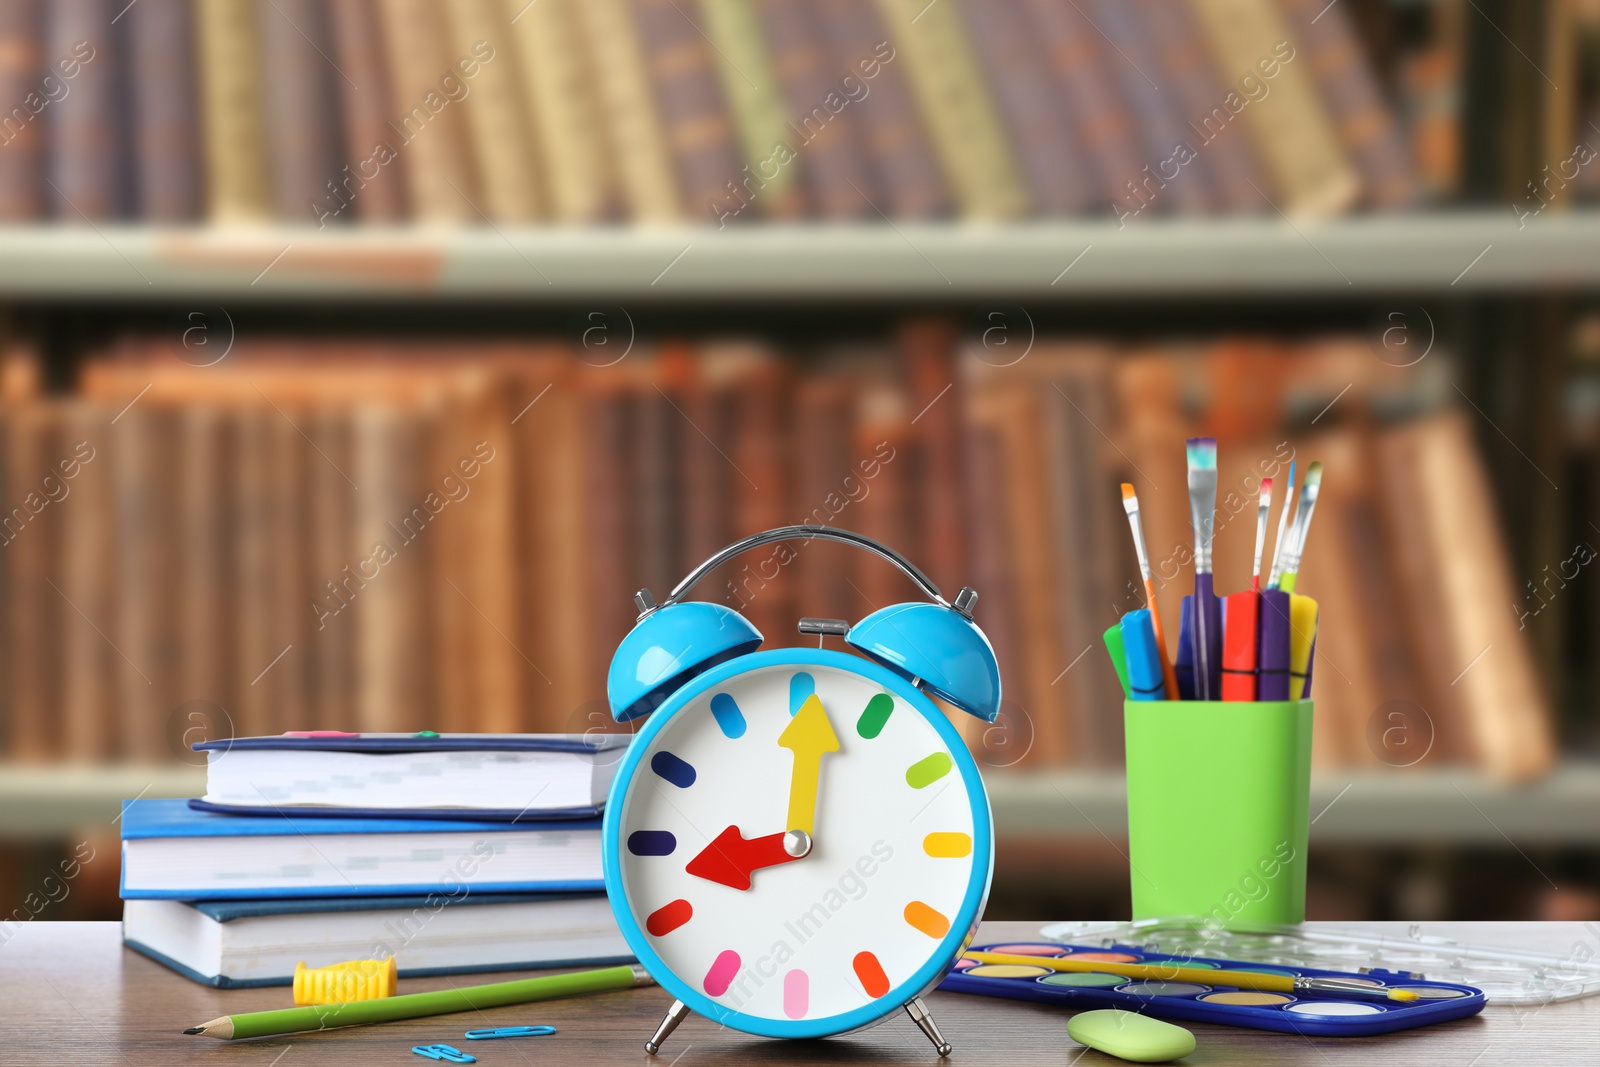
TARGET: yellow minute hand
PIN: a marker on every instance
(808, 735)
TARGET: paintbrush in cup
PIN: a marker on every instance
(1130, 504)
(1205, 607)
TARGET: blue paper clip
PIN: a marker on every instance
(443, 1052)
(510, 1031)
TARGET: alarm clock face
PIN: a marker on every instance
(797, 843)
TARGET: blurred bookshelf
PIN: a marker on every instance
(1446, 253)
(1457, 806)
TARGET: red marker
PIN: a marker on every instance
(1241, 615)
(1241, 619)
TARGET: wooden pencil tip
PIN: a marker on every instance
(219, 1028)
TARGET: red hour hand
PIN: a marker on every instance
(730, 857)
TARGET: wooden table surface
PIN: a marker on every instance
(69, 993)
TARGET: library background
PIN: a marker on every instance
(359, 360)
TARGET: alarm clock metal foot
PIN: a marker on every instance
(675, 1016)
(919, 1015)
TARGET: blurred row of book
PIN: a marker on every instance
(721, 111)
(403, 535)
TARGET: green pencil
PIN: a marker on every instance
(416, 1005)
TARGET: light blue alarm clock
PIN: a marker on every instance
(798, 843)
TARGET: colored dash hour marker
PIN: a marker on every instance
(801, 686)
(947, 845)
(929, 920)
(673, 769)
(925, 772)
(870, 973)
(875, 717)
(652, 842)
(729, 718)
(720, 976)
(796, 994)
(669, 917)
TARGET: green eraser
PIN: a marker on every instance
(1130, 1036)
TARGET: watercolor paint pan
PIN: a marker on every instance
(1318, 1015)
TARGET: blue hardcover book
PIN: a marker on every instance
(515, 777)
(170, 850)
(233, 944)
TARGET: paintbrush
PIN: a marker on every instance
(1202, 455)
(1130, 504)
(1301, 527)
(1284, 518)
(1261, 532)
(1174, 971)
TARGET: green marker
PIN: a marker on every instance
(1119, 657)
(417, 1005)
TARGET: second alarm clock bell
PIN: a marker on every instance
(798, 842)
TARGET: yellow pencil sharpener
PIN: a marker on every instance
(340, 983)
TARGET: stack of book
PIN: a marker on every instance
(451, 853)
(716, 111)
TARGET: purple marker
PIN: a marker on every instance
(1183, 667)
(1273, 655)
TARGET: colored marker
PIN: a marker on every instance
(1303, 613)
(1241, 618)
(1119, 656)
(1184, 667)
(1273, 655)
(1144, 661)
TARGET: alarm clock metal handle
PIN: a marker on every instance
(806, 533)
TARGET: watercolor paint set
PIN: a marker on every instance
(1507, 973)
(1319, 1013)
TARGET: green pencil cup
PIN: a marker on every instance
(1218, 799)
